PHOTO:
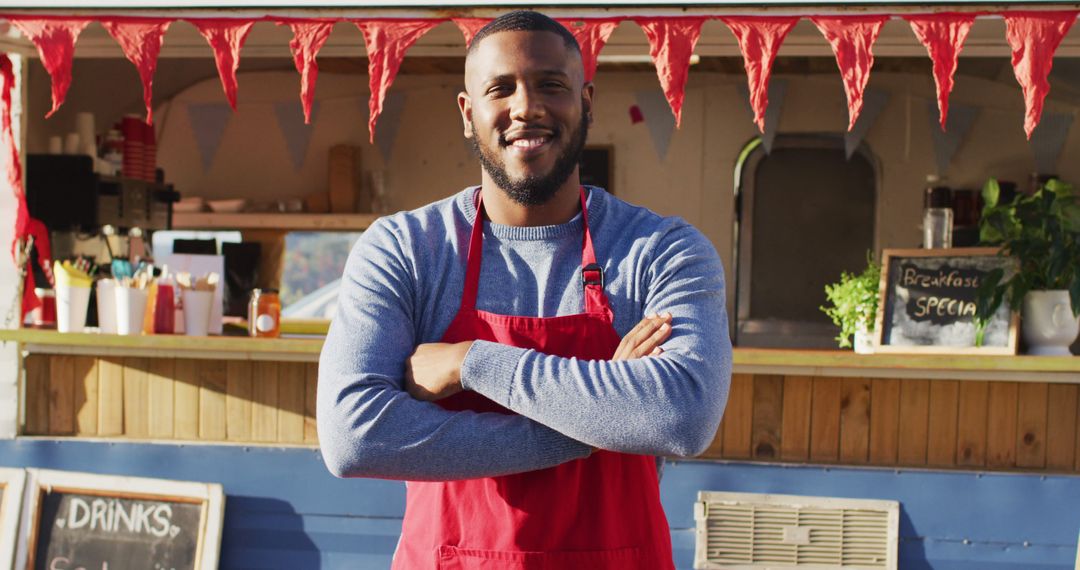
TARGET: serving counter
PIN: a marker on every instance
(795, 406)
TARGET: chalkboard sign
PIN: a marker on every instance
(927, 302)
(81, 520)
(11, 494)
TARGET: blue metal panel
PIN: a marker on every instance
(284, 510)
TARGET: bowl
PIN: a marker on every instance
(233, 205)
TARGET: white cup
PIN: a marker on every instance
(197, 305)
(71, 305)
(56, 145)
(130, 310)
(106, 305)
(71, 143)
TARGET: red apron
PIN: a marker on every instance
(598, 513)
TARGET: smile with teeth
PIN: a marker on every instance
(527, 143)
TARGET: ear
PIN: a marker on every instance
(465, 106)
(587, 100)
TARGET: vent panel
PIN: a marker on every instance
(747, 531)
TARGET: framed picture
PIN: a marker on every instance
(927, 302)
(12, 482)
(104, 521)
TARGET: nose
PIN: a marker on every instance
(526, 105)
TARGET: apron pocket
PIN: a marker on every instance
(454, 558)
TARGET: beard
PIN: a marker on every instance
(538, 189)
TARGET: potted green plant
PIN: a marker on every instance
(854, 301)
(1041, 232)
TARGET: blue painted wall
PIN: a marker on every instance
(283, 509)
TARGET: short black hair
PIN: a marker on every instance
(524, 21)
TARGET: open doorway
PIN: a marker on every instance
(804, 213)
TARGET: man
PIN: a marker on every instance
(500, 349)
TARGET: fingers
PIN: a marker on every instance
(645, 337)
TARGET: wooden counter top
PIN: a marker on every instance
(747, 360)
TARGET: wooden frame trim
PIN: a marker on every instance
(12, 484)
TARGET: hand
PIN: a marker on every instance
(645, 338)
(433, 372)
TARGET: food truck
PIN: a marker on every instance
(256, 140)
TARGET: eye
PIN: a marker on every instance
(499, 89)
(553, 85)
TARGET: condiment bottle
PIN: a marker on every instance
(264, 313)
(937, 215)
(165, 308)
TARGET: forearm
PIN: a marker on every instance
(665, 405)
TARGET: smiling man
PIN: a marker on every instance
(523, 351)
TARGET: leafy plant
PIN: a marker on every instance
(1041, 232)
(854, 301)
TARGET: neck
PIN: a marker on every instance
(561, 208)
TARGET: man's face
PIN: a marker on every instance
(526, 112)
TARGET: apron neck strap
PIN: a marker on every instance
(592, 275)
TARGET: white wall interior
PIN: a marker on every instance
(9, 276)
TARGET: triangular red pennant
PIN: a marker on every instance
(591, 35)
(469, 27)
(226, 37)
(141, 40)
(387, 41)
(852, 39)
(308, 38)
(759, 39)
(943, 35)
(1034, 37)
(671, 43)
(25, 226)
(55, 40)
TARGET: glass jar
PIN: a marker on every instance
(264, 313)
(937, 215)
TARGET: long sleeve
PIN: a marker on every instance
(665, 405)
(369, 426)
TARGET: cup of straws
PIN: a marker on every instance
(197, 298)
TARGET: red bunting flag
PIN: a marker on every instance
(852, 39)
(25, 226)
(1034, 37)
(671, 43)
(387, 41)
(141, 40)
(759, 39)
(591, 35)
(55, 40)
(226, 37)
(308, 38)
(469, 27)
(943, 35)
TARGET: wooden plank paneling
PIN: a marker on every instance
(136, 397)
(311, 383)
(1061, 423)
(795, 434)
(186, 400)
(767, 417)
(212, 386)
(160, 388)
(86, 396)
(238, 401)
(110, 396)
(264, 395)
(36, 368)
(941, 426)
(291, 379)
(971, 424)
(738, 416)
(1001, 425)
(884, 420)
(914, 419)
(825, 420)
(62, 395)
(1031, 425)
(855, 420)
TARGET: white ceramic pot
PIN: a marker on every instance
(1049, 326)
(864, 340)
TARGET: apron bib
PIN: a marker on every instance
(598, 513)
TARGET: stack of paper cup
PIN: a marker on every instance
(130, 309)
(197, 305)
(72, 298)
(149, 153)
(134, 132)
(84, 125)
(106, 305)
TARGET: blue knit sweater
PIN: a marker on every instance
(402, 286)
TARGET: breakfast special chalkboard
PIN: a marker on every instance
(81, 520)
(927, 302)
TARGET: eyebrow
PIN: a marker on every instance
(541, 73)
